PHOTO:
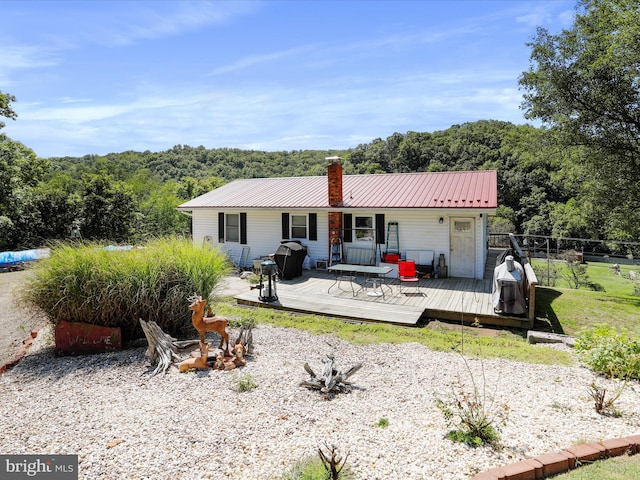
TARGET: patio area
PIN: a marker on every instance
(451, 299)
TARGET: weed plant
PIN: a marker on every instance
(115, 288)
(473, 413)
(383, 423)
(310, 468)
(245, 383)
(602, 404)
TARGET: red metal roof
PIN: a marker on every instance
(477, 189)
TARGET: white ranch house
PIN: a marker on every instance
(433, 213)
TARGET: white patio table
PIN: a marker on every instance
(368, 271)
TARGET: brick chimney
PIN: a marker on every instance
(334, 176)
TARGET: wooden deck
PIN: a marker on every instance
(452, 299)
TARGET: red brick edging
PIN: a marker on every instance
(548, 464)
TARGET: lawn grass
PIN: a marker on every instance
(624, 467)
(470, 340)
(566, 310)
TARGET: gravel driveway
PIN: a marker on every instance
(15, 323)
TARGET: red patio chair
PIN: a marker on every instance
(407, 274)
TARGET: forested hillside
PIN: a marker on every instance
(540, 182)
(544, 188)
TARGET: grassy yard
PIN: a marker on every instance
(618, 468)
(566, 310)
(439, 337)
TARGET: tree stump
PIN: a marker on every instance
(163, 348)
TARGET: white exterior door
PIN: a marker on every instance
(462, 258)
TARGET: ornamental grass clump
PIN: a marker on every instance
(116, 287)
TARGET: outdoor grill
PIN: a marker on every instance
(508, 288)
(289, 257)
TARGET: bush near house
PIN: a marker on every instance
(610, 352)
(115, 288)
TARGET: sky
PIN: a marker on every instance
(96, 77)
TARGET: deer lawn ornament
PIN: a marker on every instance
(238, 352)
(199, 363)
(223, 363)
(208, 324)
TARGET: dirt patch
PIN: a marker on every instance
(16, 323)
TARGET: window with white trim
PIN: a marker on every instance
(232, 227)
(298, 226)
(363, 229)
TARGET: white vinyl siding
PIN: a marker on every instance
(418, 230)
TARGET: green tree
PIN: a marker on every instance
(190, 187)
(584, 82)
(5, 107)
(159, 214)
(109, 208)
(20, 172)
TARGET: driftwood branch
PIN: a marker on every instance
(163, 348)
(245, 338)
(332, 463)
(331, 380)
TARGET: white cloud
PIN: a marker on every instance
(254, 60)
(140, 22)
(535, 19)
(566, 18)
(17, 57)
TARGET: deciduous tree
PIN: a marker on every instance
(585, 82)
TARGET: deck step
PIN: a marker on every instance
(346, 308)
(490, 264)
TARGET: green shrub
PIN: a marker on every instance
(614, 354)
(115, 288)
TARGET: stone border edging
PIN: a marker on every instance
(548, 464)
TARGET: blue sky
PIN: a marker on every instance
(93, 77)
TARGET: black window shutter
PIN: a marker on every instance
(379, 228)
(313, 226)
(243, 228)
(285, 226)
(221, 227)
(347, 221)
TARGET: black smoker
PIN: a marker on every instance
(268, 269)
